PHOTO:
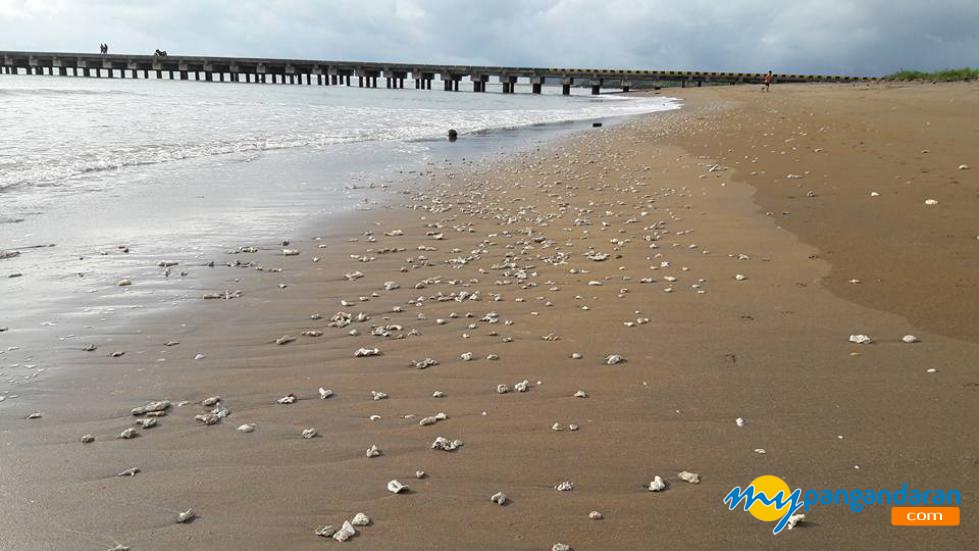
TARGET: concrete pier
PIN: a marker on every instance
(281, 71)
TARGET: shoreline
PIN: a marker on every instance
(769, 348)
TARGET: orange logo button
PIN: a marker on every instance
(925, 516)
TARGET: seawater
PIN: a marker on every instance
(186, 170)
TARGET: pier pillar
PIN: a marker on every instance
(110, 71)
(264, 77)
(146, 74)
(319, 80)
(171, 74)
(699, 83)
(86, 72)
(683, 83)
(360, 82)
(135, 74)
(387, 81)
(418, 83)
(537, 84)
(159, 74)
(447, 85)
(74, 71)
(62, 71)
(596, 90)
(183, 75)
(221, 77)
(401, 83)
(566, 89)
(208, 76)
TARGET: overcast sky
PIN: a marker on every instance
(805, 36)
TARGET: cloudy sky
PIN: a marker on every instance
(818, 36)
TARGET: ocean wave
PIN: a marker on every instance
(122, 132)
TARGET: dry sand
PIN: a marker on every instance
(771, 348)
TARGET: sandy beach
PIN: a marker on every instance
(724, 252)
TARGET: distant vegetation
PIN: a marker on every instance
(947, 75)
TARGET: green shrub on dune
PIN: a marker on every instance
(946, 75)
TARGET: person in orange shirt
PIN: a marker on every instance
(767, 81)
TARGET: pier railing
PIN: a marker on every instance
(325, 73)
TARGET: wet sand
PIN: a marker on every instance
(671, 201)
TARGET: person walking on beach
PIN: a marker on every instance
(767, 81)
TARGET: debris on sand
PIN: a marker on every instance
(376, 395)
(687, 476)
(613, 359)
(910, 339)
(309, 433)
(287, 399)
(565, 486)
(595, 515)
(433, 419)
(360, 519)
(325, 393)
(561, 547)
(373, 451)
(396, 487)
(444, 444)
(246, 428)
(128, 434)
(346, 532)
(326, 531)
(151, 407)
(424, 364)
(285, 339)
(210, 401)
(795, 520)
(499, 498)
(657, 484)
(364, 352)
(208, 418)
(87, 439)
(861, 339)
(186, 516)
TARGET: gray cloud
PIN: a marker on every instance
(805, 36)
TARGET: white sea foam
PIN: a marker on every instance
(61, 130)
